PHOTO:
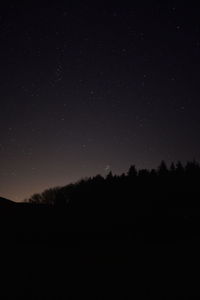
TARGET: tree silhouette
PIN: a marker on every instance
(162, 169)
(132, 172)
(140, 191)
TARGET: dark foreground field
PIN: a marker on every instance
(55, 253)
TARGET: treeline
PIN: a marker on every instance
(142, 191)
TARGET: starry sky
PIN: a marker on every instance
(89, 87)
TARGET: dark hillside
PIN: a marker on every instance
(112, 237)
(6, 202)
(156, 206)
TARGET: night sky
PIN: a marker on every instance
(86, 88)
